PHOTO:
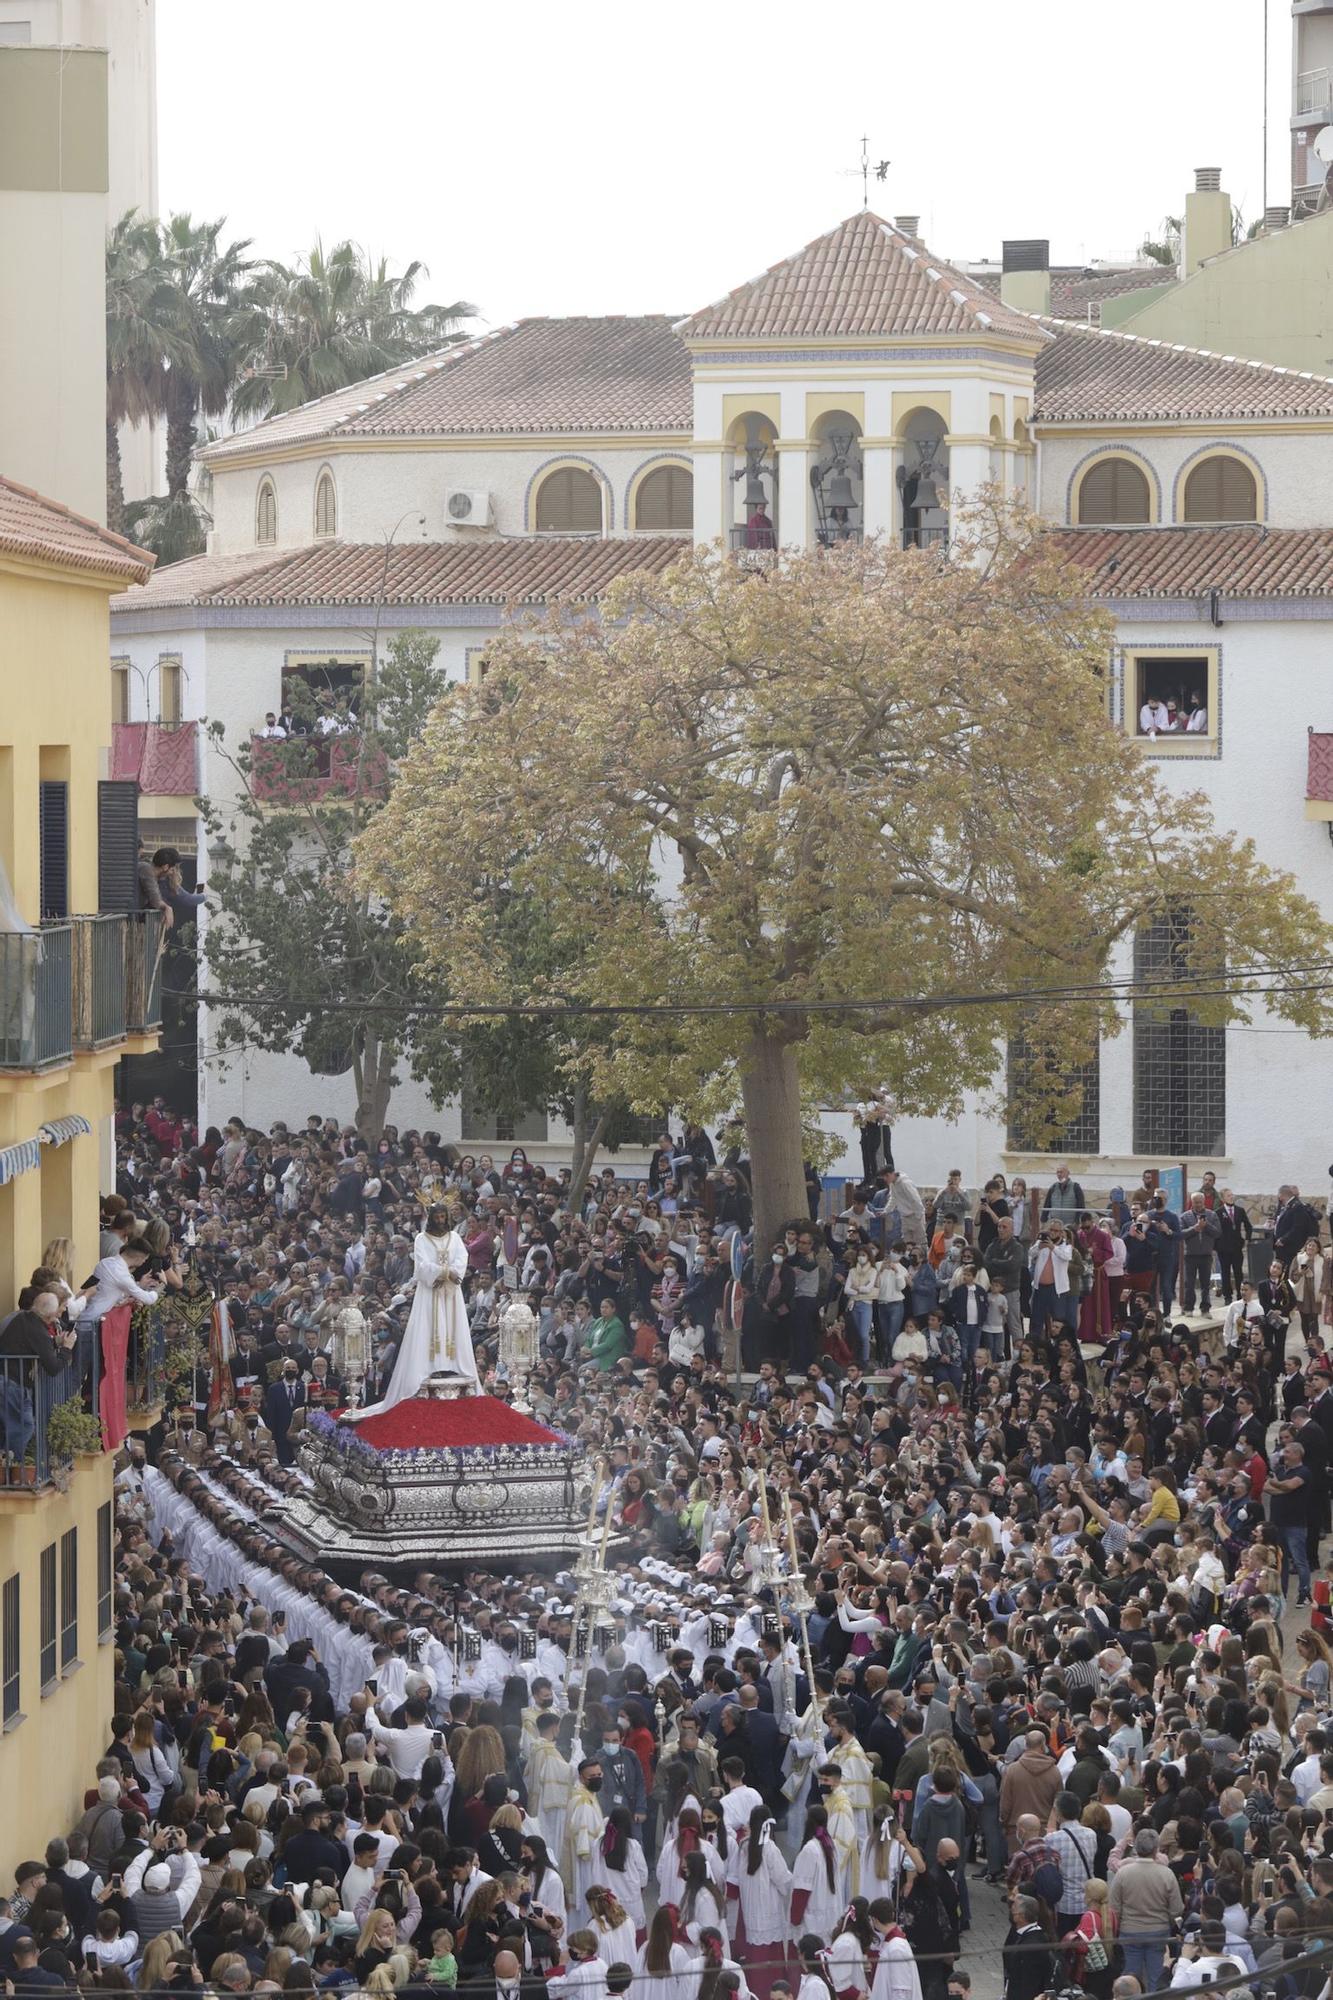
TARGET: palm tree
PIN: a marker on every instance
(327, 322)
(142, 340)
(209, 280)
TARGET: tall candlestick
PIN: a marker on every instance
(592, 1504)
(606, 1522)
(763, 1501)
(791, 1532)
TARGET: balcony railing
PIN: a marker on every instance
(101, 977)
(306, 770)
(1312, 92)
(143, 970)
(28, 1397)
(36, 997)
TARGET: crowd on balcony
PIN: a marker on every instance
(1058, 1651)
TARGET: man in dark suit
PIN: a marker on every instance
(298, 1668)
(766, 1745)
(1219, 1426)
(1236, 1233)
(1293, 1225)
(282, 1399)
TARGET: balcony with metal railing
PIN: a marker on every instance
(315, 769)
(36, 997)
(34, 1452)
(1312, 93)
(79, 985)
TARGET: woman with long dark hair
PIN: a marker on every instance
(620, 1865)
(817, 1894)
(702, 1904)
(764, 1882)
(661, 1966)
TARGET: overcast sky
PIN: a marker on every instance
(610, 157)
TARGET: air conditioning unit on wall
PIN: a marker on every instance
(464, 509)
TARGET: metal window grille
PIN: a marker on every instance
(1032, 1074)
(104, 1572)
(9, 1649)
(46, 1659)
(1180, 1064)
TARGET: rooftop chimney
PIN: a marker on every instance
(1025, 277)
(1276, 218)
(908, 225)
(1207, 231)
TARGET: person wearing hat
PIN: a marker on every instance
(154, 1904)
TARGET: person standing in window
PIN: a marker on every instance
(1153, 717)
(1196, 722)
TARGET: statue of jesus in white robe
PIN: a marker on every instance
(437, 1340)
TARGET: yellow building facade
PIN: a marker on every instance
(77, 986)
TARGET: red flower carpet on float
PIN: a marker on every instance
(421, 1422)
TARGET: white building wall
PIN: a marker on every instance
(1294, 471)
(376, 488)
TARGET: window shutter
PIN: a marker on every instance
(1114, 493)
(53, 803)
(665, 501)
(1221, 489)
(117, 844)
(570, 503)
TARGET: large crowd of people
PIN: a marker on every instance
(1059, 1548)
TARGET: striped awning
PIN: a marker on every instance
(20, 1159)
(57, 1130)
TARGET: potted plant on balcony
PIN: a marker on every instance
(70, 1428)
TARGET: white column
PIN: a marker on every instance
(709, 520)
(879, 490)
(793, 494)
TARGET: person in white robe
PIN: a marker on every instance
(621, 1868)
(842, 1830)
(817, 1903)
(763, 1885)
(896, 1976)
(583, 1832)
(682, 1841)
(612, 1926)
(549, 1778)
(437, 1341)
(662, 1970)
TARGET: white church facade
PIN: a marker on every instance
(860, 387)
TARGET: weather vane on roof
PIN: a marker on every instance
(880, 170)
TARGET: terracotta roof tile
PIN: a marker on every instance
(525, 569)
(31, 525)
(1097, 375)
(580, 374)
(1191, 562)
(864, 277)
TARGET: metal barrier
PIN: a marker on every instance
(101, 979)
(143, 964)
(28, 1398)
(36, 997)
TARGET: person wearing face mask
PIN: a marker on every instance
(622, 1778)
(776, 1286)
(282, 1399)
(860, 1293)
(549, 1778)
(583, 1832)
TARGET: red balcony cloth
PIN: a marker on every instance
(115, 1353)
(1319, 768)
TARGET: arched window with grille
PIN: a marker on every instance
(1221, 489)
(266, 513)
(326, 506)
(664, 501)
(569, 502)
(1114, 493)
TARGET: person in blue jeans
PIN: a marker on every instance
(1289, 1513)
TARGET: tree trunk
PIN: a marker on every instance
(585, 1147)
(771, 1093)
(115, 484)
(375, 1081)
(181, 441)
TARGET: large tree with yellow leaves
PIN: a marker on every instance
(861, 775)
